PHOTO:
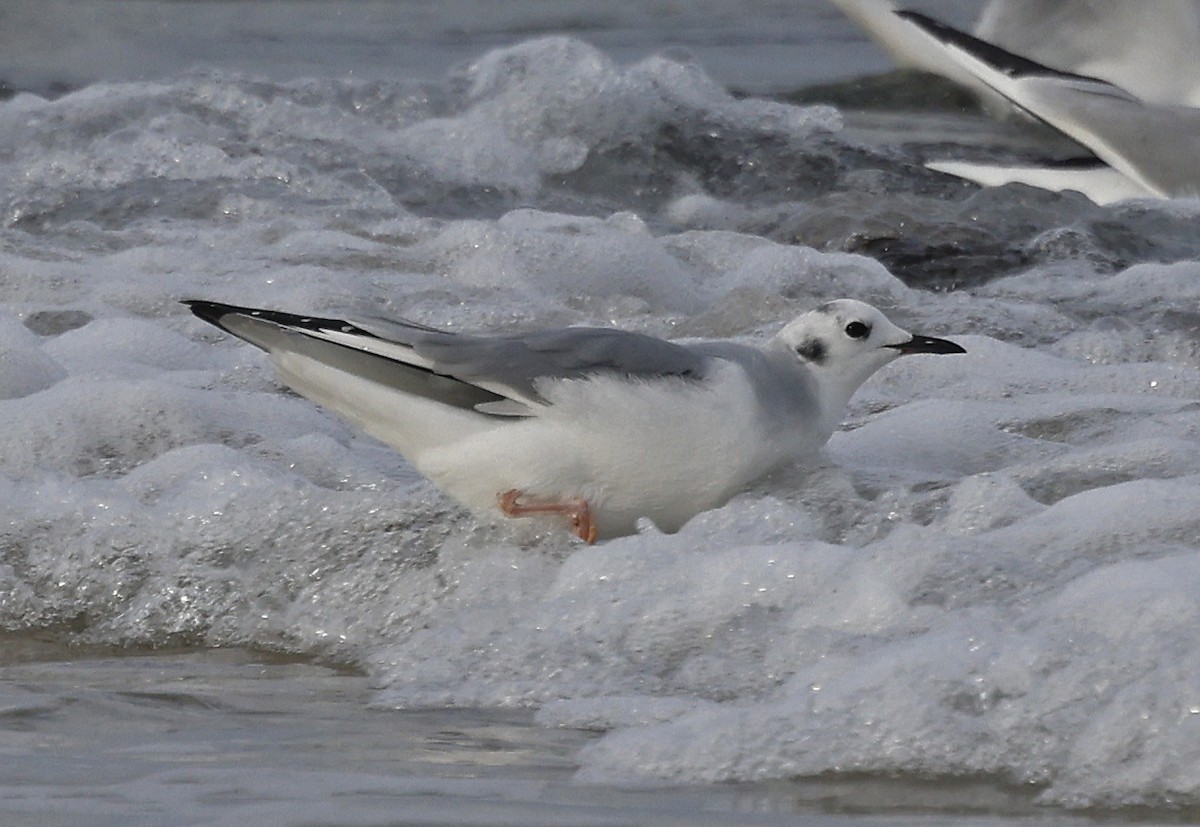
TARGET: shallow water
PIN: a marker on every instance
(227, 737)
(981, 601)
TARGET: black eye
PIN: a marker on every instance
(858, 330)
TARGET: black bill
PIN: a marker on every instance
(928, 344)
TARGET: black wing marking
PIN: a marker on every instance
(494, 368)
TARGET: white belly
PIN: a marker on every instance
(665, 450)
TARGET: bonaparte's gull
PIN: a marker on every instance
(1120, 78)
(595, 425)
(1151, 50)
(1155, 147)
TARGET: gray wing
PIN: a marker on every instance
(519, 362)
(491, 374)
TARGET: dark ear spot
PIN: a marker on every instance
(813, 350)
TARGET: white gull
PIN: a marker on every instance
(1120, 78)
(1152, 50)
(1150, 149)
(599, 426)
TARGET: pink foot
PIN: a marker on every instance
(514, 503)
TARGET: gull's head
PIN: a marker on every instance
(845, 341)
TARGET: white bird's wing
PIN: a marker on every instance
(496, 375)
(1149, 49)
(1096, 180)
(1156, 146)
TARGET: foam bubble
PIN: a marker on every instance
(24, 367)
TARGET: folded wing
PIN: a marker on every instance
(496, 375)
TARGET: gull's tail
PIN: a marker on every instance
(369, 379)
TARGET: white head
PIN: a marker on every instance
(845, 341)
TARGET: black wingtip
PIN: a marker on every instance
(1002, 60)
(215, 312)
(212, 312)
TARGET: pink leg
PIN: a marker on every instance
(514, 503)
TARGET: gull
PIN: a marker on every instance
(1149, 149)
(1121, 79)
(596, 427)
(1152, 50)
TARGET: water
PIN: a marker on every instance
(222, 605)
(761, 44)
(226, 737)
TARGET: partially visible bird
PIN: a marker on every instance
(1151, 50)
(1120, 78)
(1147, 149)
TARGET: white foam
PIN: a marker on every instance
(991, 572)
(24, 368)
